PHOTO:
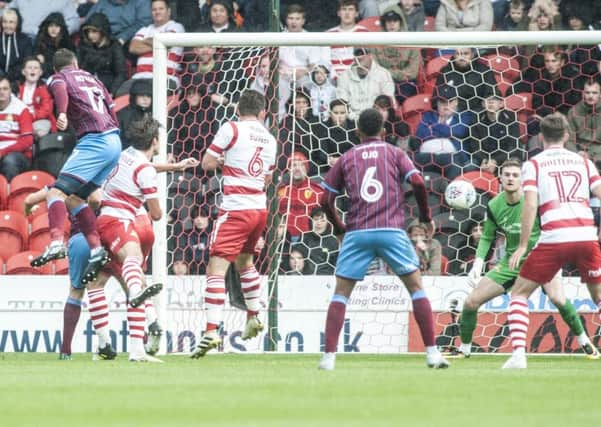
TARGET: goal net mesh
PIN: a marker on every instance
(457, 112)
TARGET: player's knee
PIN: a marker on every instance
(76, 293)
(471, 303)
(94, 199)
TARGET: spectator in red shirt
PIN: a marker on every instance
(34, 93)
(16, 136)
(304, 196)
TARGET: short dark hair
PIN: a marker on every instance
(337, 103)
(30, 58)
(295, 8)
(370, 122)
(342, 3)
(592, 81)
(251, 103)
(317, 211)
(510, 163)
(554, 127)
(63, 58)
(142, 132)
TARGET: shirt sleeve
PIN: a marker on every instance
(529, 176)
(225, 137)
(593, 175)
(334, 180)
(489, 232)
(147, 181)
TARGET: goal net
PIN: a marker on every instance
(457, 108)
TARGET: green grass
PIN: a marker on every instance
(288, 390)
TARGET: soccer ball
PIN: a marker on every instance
(460, 194)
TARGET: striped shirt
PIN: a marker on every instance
(144, 66)
(130, 184)
(342, 57)
(563, 181)
(372, 174)
(249, 152)
(16, 129)
(85, 100)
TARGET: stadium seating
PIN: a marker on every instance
(372, 23)
(413, 107)
(3, 192)
(20, 264)
(25, 183)
(430, 23)
(506, 69)
(13, 233)
(444, 265)
(433, 67)
(521, 104)
(121, 102)
(40, 233)
(1, 266)
(61, 266)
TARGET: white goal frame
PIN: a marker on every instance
(162, 42)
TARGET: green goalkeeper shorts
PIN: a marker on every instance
(503, 275)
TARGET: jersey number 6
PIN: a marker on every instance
(371, 188)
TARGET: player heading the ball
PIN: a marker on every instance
(372, 175)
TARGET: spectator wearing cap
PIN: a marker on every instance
(473, 79)
(100, 54)
(496, 134)
(464, 15)
(413, 11)
(585, 122)
(402, 63)
(303, 195)
(361, 84)
(442, 134)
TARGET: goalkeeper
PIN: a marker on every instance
(504, 215)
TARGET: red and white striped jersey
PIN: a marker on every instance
(130, 184)
(249, 151)
(563, 180)
(145, 63)
(342, 56)
(16, 131)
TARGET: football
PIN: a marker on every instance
(460, 195)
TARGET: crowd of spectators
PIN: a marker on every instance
(467, 125)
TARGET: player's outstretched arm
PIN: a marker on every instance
(210, 162)
(182, 165)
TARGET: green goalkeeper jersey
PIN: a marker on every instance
(507, 219)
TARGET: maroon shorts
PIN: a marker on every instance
(237, 232)
(546, 259)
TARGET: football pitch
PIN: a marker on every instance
(288, 390)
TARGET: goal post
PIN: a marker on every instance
(379, 321)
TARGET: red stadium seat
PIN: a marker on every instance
(3, 192)
(506, 69)
(61, 266)
(372, 23)
(25, 183)
(121, 102)
(40, 233)
(39, 236)
(20, 264)
(433, 67)
(1, 266)
(13, 233)
(521, 103)
(413, 107)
